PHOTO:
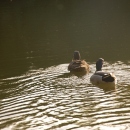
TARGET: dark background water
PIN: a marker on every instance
(42, 33)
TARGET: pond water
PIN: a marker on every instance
(51, 98)
(37, 41)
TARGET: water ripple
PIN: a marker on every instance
(52, 98)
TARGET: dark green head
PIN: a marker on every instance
(99, 64)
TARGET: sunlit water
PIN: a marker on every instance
(53, 99)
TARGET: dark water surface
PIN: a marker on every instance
(37, 40)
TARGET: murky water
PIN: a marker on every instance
(37, 41)
(51, 98)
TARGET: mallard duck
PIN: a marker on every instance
(100, 77)
(78, 65)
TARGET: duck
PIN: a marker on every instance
(101, 78)
(78, 65)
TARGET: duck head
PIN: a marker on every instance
(99, 64)
(76, 55)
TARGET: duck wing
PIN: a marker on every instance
(74, 65)
(106, 77)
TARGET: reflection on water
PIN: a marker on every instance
(52, 98)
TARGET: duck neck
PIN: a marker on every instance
(98, 69)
